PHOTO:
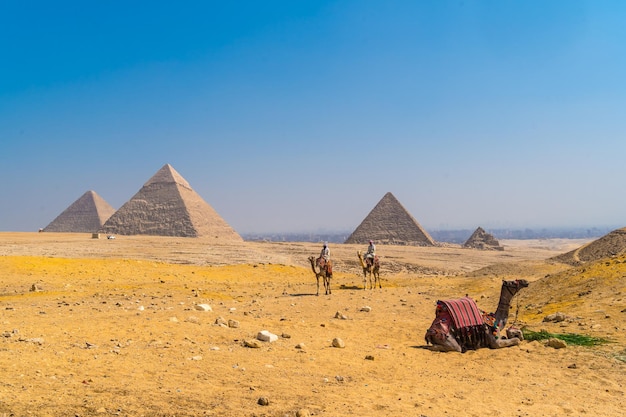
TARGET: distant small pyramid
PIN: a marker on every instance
(167, 206)
(85, 215)
(482, 240)
(389, 222)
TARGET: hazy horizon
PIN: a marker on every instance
(290, 116)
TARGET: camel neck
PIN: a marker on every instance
(504, 304)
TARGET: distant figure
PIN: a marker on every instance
(371, 253)
(324, 260)
(325, 253)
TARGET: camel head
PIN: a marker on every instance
(516, 284)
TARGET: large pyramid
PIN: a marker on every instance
(390, 223)
(85, 215)
(167, 206)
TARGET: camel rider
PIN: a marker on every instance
(371, 253)
(325, 253)
(324, 259)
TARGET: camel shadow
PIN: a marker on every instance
(350, 287)
(425, 347)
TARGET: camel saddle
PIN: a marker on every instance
(371, 261)
(462, 319)
(327, 265)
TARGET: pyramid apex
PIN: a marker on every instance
(167, 175)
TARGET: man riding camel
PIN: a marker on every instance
(324, 259)
(370, 255)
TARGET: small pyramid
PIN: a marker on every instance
(85, 215)
(482, 240)
(389, 222)
(166, 205)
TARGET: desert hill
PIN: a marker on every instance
(612, 244)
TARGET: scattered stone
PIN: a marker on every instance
(300, 346)
(266, 336)
(233, 324)
(35, 340)
(196, 358)
(512, 332)
(366, 309)
(193, 319)
(572, 366)
(338, 378)
(35, 288)
(369, 358)
(339, 315)
(556, 343)
(285, 336)
(173, 319)
(338, 343)
(203, 307)
(141, 308)
(554, 318)
(263, 401)
(303, 413)
(220, 321)
(255, 344)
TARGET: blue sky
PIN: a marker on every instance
(300, 116)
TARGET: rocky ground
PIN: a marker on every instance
(97, 327)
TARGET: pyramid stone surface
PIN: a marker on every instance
(390, 223)
(480, 239)
(85, 215)
(167, 206)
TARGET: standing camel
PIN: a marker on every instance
(371, 270)
(460, 325)
(323, 271)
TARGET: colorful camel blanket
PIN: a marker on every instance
(464, 312)
(468, 326)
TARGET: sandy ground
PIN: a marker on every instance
(97, 327)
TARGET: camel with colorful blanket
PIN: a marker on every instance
(460, 325)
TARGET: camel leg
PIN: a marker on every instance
(317, 277)
(502, 343)
(449, 345)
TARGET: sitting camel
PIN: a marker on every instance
(322, 269)
(460, 325)
(371, 270)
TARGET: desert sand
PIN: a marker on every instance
(99, 327)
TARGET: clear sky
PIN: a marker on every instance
(300, 115)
